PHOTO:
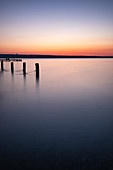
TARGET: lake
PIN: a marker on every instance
(61, 120)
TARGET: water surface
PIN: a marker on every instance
(61, 120)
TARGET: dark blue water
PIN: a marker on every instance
(63, 120)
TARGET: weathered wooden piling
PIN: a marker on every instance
(12, 67)
(37, 70)
(2, 65)
(24, 68)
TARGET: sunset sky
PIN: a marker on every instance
(57, 27)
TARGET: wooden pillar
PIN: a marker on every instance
(2, 65)
(37, 70)
(12, 67)
(24, 68)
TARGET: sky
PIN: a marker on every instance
(56, 27)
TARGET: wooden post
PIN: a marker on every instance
(2, 65)
(24, 68)
(12, 67)
(37, 70)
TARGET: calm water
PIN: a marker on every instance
(63, 120)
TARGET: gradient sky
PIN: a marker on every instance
(60, 27)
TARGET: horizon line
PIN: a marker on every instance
(56, 55)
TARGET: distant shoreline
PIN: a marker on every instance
(48, 56)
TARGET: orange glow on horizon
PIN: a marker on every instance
(71, 48)
(61, 51)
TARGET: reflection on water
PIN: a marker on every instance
(37, 79)
(62, 119)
